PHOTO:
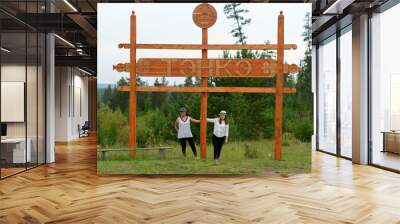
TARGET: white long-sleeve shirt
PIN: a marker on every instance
(220, 130)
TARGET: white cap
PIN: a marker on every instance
(222, 112)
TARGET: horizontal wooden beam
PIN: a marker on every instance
(183, 67)
(210, 46)
(206, 89)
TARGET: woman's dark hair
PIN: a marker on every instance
(226, 120)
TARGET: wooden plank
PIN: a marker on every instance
(210, 46)
(161, 150)
(279, 90)
(132, 97)
(124, 149)
(183, 67)
(206, 89)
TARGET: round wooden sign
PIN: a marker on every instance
(204, 15)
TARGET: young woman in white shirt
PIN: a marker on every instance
(182, 126)
(220, 133)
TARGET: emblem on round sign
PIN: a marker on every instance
(204, 15)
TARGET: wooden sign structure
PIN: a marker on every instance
(183, 67)
(204, 16)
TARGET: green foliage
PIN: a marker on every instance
(251, 152)
(158, 98)
(289, 138)
(113, 128)
(189, 81)
(118, 102)
(303, 130)
(234, 12)
(251, 116)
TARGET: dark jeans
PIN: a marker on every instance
(217, 143)
(191, 143)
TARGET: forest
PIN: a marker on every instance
(251, 116)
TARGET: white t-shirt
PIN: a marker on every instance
(220, 130)
(184, 128)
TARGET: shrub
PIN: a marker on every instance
(113, 128)
(303, 130)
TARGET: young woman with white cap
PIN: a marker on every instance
(220, 133)
(182, 126)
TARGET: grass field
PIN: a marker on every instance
(250, 157)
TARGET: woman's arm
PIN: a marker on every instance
(211, 120)
(194, 120)
(227, 133)
(176, 125)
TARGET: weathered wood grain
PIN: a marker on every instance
(209, 46)
(206, 89)
(229, 68)
(70, 191)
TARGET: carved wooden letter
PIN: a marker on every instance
(248, 67)
(267, 67)
(218, 66)
(204, 64)
(169, 65)
(192, 67)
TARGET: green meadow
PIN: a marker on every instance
(247, 157)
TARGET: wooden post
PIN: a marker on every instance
(132, 103)
(204, 95)
(279, 89)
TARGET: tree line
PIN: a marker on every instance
(251, 116)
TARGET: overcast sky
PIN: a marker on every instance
(172, 23)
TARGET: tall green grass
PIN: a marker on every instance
(248, 157)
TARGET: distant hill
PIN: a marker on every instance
(105, 85)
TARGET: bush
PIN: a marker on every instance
(303, 130)
(113, 128)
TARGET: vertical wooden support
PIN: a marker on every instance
(132, 103)
(279, 89)
(204, 83)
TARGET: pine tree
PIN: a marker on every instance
(107, 95)
(236, 13)
(159, 98)
(164, 81)
(157, 83)
(302, 122)
(303, 84)
(188, 81)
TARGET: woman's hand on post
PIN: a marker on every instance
(194, 120)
